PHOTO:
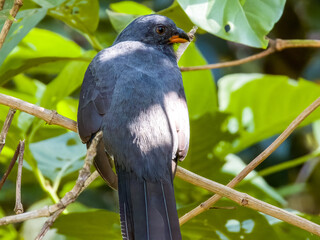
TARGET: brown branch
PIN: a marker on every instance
(47, 225)
(1, 4)
(230, 193)
(6, 127)
(184, 46)
(19, 207)
(274, 46)
(13, 160)
(254, 163)
(50, 116)
(6, 26)
(84, 179)
(245, 200)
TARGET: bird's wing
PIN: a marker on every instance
(95, 98)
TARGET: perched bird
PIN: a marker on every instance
(133, 92)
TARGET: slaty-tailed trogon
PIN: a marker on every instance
(133, 92)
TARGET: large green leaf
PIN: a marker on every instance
(124, 12)
(199, 86)
(263, 105)
(34, 50)
(245, 21)
(27, 20)
(59, 156)
(82, 15)
(176, 13)
(237, 223)
(66, 82)
(99, 224)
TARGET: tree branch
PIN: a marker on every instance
(50, 116)
(254, 163)
(6, 26)
(274, 46)
(6, 127)
(19, 207)
(13, 160)
(245, 200)
(84, 179)
(241, 198)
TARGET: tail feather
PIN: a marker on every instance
(147, 209)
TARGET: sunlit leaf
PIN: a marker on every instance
(199, 86)
(59, 156)
(82, 15)
(246, 22)
(98, 225)
(27, 20)
(264, 105)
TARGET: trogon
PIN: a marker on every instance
(133, 92)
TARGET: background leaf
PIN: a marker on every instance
(246, 22)
(27, 20)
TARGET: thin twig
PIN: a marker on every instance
(184, 46)
(71, 196)
(19, 207)
(13, 160)
(245, 200)
(254, 163)
(47, 225)
(1, 4)
(6, 127)
(6, 26)
(275, 46)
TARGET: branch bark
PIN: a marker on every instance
(245, 200)
(19, 207)
(13, 160)
(6, 26)
(50, 116)
(84, 179)
(254, 163)
(6, 127)
(274, 46)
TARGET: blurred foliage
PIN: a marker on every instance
(235, 112)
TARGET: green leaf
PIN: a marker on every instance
(98, 225)
(246, 22)
(66, 82)
(224, 224)
(199, 86)
(68, 107)
(33, 51)
(130, 7)
(7, 232)
(26, 20)
(264, 105)
(59, 156)
(124, 12)
(176, 13)
(120, 20)
(82, 15)
(49, 3)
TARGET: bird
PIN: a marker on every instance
(133, 92)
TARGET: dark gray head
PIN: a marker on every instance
(153, 29)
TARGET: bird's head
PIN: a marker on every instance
(153, 29)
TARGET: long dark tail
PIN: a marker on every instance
(147, 209)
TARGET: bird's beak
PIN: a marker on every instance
(179, 37)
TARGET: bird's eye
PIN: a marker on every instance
(160, 29)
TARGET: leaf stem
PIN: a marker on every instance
(289, 164)
(94, 42)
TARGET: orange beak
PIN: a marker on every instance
(177, 39)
